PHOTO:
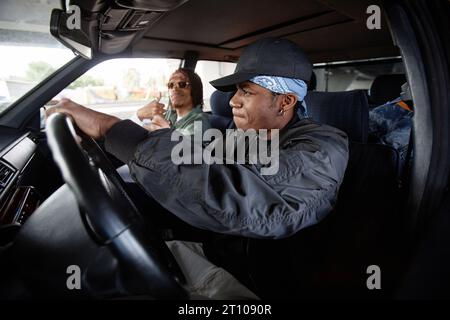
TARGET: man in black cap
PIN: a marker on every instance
(270, 79)
(235, 198)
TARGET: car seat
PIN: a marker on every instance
(385, 88)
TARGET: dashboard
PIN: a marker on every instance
(26, 179)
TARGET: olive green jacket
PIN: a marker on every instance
(186, 124)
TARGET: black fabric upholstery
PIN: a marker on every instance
(222, 116)
(330, 259)
(385, 88)
(220, 103)
(347, 110)
(312, 85)
(220, 122)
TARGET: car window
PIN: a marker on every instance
(211, 70)
(28, 53)
(121, 86)
(352, 77)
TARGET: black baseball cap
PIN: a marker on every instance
(268, 57)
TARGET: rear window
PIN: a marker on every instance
(211, 70)
(334, 78)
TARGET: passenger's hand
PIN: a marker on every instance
(93, 123)
(157, 123)
(151, 109)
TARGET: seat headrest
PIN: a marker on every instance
(312, 85)
(386, 88)
(347, 111)
(220, 103)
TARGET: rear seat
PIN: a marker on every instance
(330, 259)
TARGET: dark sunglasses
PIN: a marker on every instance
(180, 84)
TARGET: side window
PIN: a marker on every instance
(121, 86)
(211, 70)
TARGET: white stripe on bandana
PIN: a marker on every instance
(285, 85)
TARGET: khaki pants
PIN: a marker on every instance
(205, 280)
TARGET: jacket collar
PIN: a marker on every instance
(173, 116)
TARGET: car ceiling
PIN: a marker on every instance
(218, 30)
(332, 30)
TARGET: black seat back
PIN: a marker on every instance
(330, 259)
(346, 110)
(221, 114)
(312, 84)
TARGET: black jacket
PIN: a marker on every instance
(236, 198)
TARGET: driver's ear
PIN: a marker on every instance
(289, 101)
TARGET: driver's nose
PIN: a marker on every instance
(235, 101)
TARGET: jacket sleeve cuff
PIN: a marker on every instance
(123, 138)
(134, 117)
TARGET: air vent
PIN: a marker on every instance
(6, 173)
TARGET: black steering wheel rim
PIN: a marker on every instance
(116, 224)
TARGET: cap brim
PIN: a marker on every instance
(229, 83)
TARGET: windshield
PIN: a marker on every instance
(28, 53)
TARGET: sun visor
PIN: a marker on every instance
(101, 26)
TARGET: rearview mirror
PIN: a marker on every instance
(151, 5)
(72, 37)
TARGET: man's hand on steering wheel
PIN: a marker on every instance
(94, 124)
(109, 211)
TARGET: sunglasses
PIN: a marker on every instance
(180, 84)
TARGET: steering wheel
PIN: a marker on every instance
(110, 214)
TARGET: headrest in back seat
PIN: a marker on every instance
(312, 85)
(347, 110)
(386, 88)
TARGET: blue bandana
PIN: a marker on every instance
(285, 85)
